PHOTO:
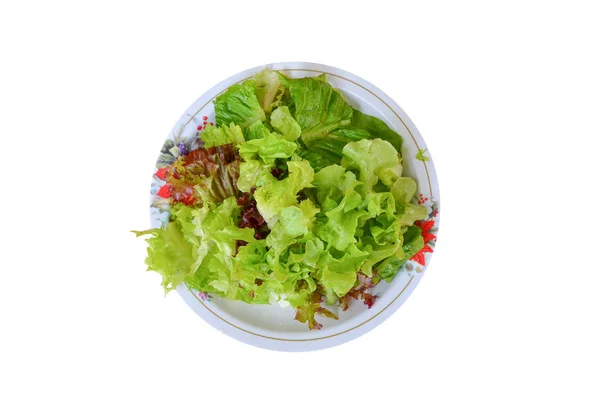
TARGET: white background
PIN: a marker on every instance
(506, 95)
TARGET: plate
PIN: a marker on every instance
(273, 326)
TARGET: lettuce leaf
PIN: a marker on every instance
(274, 195)
(215, 228)
(342, 221)
(340, 283)
(413, 241)
(292, 223)
(318, 107)
(306, 313)
(421, 155)
(328, 151)
(204, 175)
(239, 105)
(217, 136)
(375, 159)
(268, 89)
(332, 183)
(403, 190)
(253, 173)
(283, 122)
(170, 253)
(272, 146)
(376, 128)
(256, 130)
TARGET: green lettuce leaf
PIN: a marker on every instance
(292, 224)
(421, 155)
(268, 89)
(256, 130)
(308, 252)
(377, 253)
(376, 128)
(342, 222)
(309, 210)
(340, 283)
(271, 147)
(215, 226)
(388, 268)
(274, 195)
(413, 243)
(253, 173)
(403, 190)
(328, 151)
(375, 160)
(333, 182)
(194, 237)
(318, 107)
(172, 252)
(283, 122)
(217, 136)
(239, 105)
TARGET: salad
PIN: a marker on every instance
(293, 197)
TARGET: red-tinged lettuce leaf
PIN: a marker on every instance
(359, 292)
(369, 299)
(306, 313)
(364, 281)
(204, 175)
(251, 218)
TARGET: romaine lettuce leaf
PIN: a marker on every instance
(376, 128)
(328, 151)
(256, 130)
(318, 107)
(268, 89)
(238, 105)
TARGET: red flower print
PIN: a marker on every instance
(161, 173)
(164, 192)
(425, 226)
(420, 256)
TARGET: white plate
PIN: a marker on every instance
(274, 327)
